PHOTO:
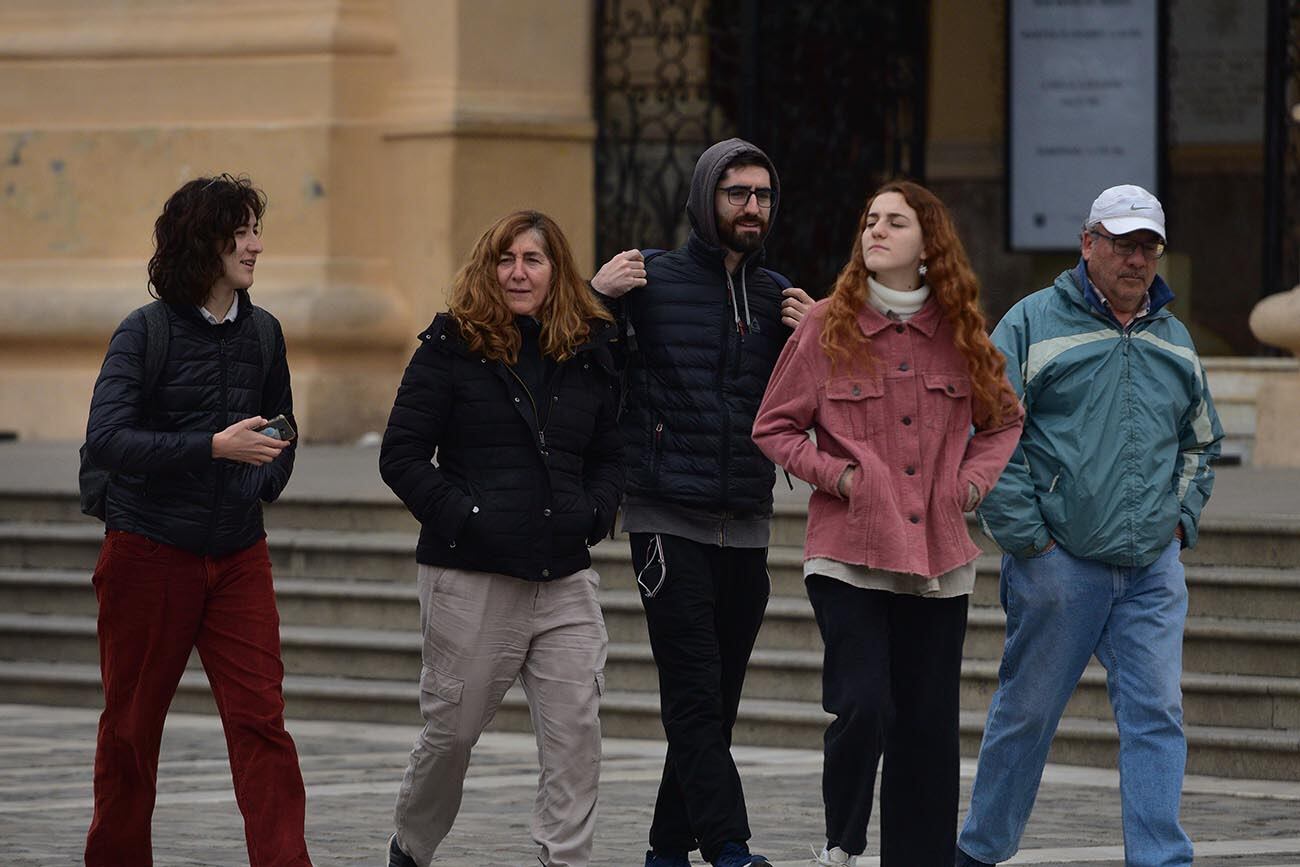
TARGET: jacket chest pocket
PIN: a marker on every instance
(573, 404)
(946, 401)
(855, 406)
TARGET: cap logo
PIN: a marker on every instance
(1139, 207)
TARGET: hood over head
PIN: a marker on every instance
(709, 169)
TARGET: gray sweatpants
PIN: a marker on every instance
(481, 631)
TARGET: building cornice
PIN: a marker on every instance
(150, 29)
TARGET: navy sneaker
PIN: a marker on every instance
(655, 860)
(737, 855)
(961, 859)
(396, 857)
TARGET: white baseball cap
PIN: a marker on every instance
(1128, 208)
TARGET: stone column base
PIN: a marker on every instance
(1277, 423)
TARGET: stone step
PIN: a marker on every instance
(1220, 751)
(1212, 700)
(783, 674)
(1270, 540)
(289, 512)
(293, 512)
(1236, 591)
(301, 601)
(795, 675)
(1246, 592)
(1221, 645)
(1211, 645)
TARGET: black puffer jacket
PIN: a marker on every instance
(506, 495)
(696, 376)
(167, 486)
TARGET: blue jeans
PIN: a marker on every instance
(1061, 610)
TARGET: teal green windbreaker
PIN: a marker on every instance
(1120, 430)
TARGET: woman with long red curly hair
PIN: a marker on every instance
(514, 392)
(891, 374)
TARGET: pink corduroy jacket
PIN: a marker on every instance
(905, 421)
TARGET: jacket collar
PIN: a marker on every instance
(1087, 295)
(443, 330)
(715, 257)
(926, 320)
(191, 312)
(600, 335)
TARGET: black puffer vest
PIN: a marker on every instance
(695, 380)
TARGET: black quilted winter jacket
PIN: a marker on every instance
(166, 484)
(506, 495)
(695, 374)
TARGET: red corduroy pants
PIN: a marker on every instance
(156, 603)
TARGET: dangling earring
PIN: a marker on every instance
(921, 269)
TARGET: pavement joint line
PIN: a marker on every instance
(1108, 778)
(1093, 854)
(39, 749)
(648, 751)
(387, 787)
(1204, 849)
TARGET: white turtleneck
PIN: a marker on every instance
(902, 304)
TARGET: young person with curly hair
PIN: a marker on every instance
(514, 392)
(184, 562)
(890, 373)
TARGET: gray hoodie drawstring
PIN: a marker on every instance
(744, 294)
(731, 293)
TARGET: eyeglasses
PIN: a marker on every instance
(1127, 246)
(765, 196)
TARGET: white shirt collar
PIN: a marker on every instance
(230, 314)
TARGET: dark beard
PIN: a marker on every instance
(743, 244)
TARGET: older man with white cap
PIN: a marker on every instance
(1105, 489)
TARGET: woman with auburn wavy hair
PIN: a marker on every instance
(513, 391)
(890, 373)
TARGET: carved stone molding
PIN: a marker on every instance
(190, 28)
(320, 302)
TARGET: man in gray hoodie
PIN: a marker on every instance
(703, 325)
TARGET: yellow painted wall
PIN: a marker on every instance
(966, 89)
(386, 134)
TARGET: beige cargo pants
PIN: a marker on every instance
(481, 632)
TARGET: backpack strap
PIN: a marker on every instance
(629, 340)
(92, 480)
(779, 278)
(158, 332)
(158, 335)
(265, 339)
(648, 254)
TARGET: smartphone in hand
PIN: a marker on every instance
(279, 428)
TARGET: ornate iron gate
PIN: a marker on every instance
(833, 91)
(1291, 169)
(1282, 146)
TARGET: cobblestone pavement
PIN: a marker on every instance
(352, 771)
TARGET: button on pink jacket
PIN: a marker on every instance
(904, 420)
